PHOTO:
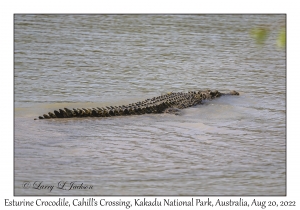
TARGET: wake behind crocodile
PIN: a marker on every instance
(168, 103)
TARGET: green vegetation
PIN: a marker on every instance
(281, 39)
(260, 35)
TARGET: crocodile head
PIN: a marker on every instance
(233, 92)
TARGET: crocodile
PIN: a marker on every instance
(168, 103)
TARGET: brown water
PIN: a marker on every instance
(234, 145)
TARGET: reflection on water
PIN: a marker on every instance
(228, 146)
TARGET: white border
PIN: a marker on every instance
(8, 8)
